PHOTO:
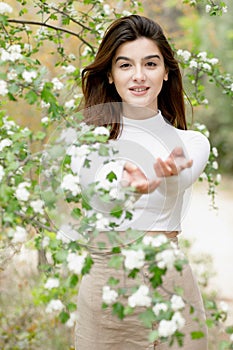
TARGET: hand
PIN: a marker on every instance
(173, 165)
(134, 177)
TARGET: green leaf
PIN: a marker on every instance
(116, 262)
(111, 176)
(154, 335)
(64, 317)
(113, 281)
(31, 97)
(147, 317)
(118, 309)
(73, 280)
(72, 307)
(88, 264)
(60, 256)
(76, 213)
(117, 211)
(197, 334)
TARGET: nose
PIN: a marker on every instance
(138, 74)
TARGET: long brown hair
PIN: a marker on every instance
(100, 97)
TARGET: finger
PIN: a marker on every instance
(126, 179)
(130, 167)
(161, 168)
(177, 152)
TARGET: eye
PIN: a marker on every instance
(125, 65)
(151, 64)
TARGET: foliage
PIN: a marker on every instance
(34, 184)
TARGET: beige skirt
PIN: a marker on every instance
(98, 329)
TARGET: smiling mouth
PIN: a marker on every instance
(139, 89)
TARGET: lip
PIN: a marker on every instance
(139, 90)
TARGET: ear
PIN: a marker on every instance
(166, 76)
(110, 78)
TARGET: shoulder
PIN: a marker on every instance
(191, 137)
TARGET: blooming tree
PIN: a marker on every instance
(34, 183)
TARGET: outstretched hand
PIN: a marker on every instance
(173, 165)
(134, 177)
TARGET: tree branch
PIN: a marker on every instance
(36, 23)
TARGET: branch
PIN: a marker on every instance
(52, 27)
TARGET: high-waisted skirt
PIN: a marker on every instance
(99, 329)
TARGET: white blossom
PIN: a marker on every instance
(76, 262)
(20, 235)
(101, 222)
(28, 76)
(71, 321)
(218, 178)
(69, 69)
(215, 151)
(215, 165)
(107, 9)
(224, 306)
(205, 101)
(202, 55)
(2, 172)
(140, 297)
(12, 53)
(70, 104)
(206, 66)
(203, 176)
(224, 9)
(155, 241)
(54, 305)
(177, 303)
(184, 53)
(12, 74)
(37, 206)
(27, 47)
(52, 283)
(116, 193)
(3, 88)
(231, 337)
(68, 135)
(193, 64)
(179, 320)
(41, 33)
(5, 8)
(78, 151)
(57, 84)
(159, 307)
(44, 104)
(72, 57)
(71, 183)
(126, 13)
(166, 328)
(134, 259)
(101, 130)
(109, 295)
(207, 8)
(166, 259)
(21, 193)
(45, 242)
(213, 61)
(44, 120)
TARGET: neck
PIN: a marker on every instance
(138, 112)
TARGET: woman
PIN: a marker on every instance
(137, 79)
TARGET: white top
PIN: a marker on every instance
(141, 142)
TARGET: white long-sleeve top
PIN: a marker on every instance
(141, 142)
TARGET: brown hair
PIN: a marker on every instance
(98, 92)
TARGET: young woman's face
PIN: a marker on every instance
(138, 72)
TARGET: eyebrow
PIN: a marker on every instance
(144, 58)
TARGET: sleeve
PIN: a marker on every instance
(197, 148)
